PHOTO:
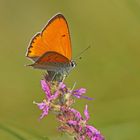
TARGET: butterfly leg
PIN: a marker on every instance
(64, 76)
(56, 76)
(53, 78)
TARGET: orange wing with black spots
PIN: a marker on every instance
(55, 37)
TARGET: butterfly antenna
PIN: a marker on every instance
(79, 55)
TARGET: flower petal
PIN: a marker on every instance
(93, 133)
(98, 137)
(77, 114)
(54, 96)
(45, 112)
(62, 85)
(85, 97)
(71, 122)
(86, 113)
(40, 105)
(44, 106)
(80, 91)
(46, 88)
(92, 129)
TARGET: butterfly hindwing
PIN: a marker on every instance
(51, 61)
(52, 57)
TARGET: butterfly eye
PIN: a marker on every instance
(73, 64)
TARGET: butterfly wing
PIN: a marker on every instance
(52, 57)
(52, 61)
(55, 37)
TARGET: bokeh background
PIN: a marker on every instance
(110, 70)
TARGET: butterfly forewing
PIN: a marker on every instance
(54, 38)
(34, 51)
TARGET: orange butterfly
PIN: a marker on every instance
(51, 48)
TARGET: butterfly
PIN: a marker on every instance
(51, 48)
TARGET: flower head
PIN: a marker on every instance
(59, 99)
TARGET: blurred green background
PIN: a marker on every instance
(110, 70)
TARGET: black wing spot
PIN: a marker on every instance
(63, 35)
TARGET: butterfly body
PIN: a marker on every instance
(51, 48)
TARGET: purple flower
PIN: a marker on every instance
(44, 106)
(78, 93)
(93, 133)
(58, 99)
(62, 85)
(86, 113)
(46, 87)
(72, 122)
(77, 114)
(77, 121)
(80, 126)
(98, 137)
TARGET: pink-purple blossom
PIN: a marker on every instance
(78, 93)
(59, 99)
(44, 106)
